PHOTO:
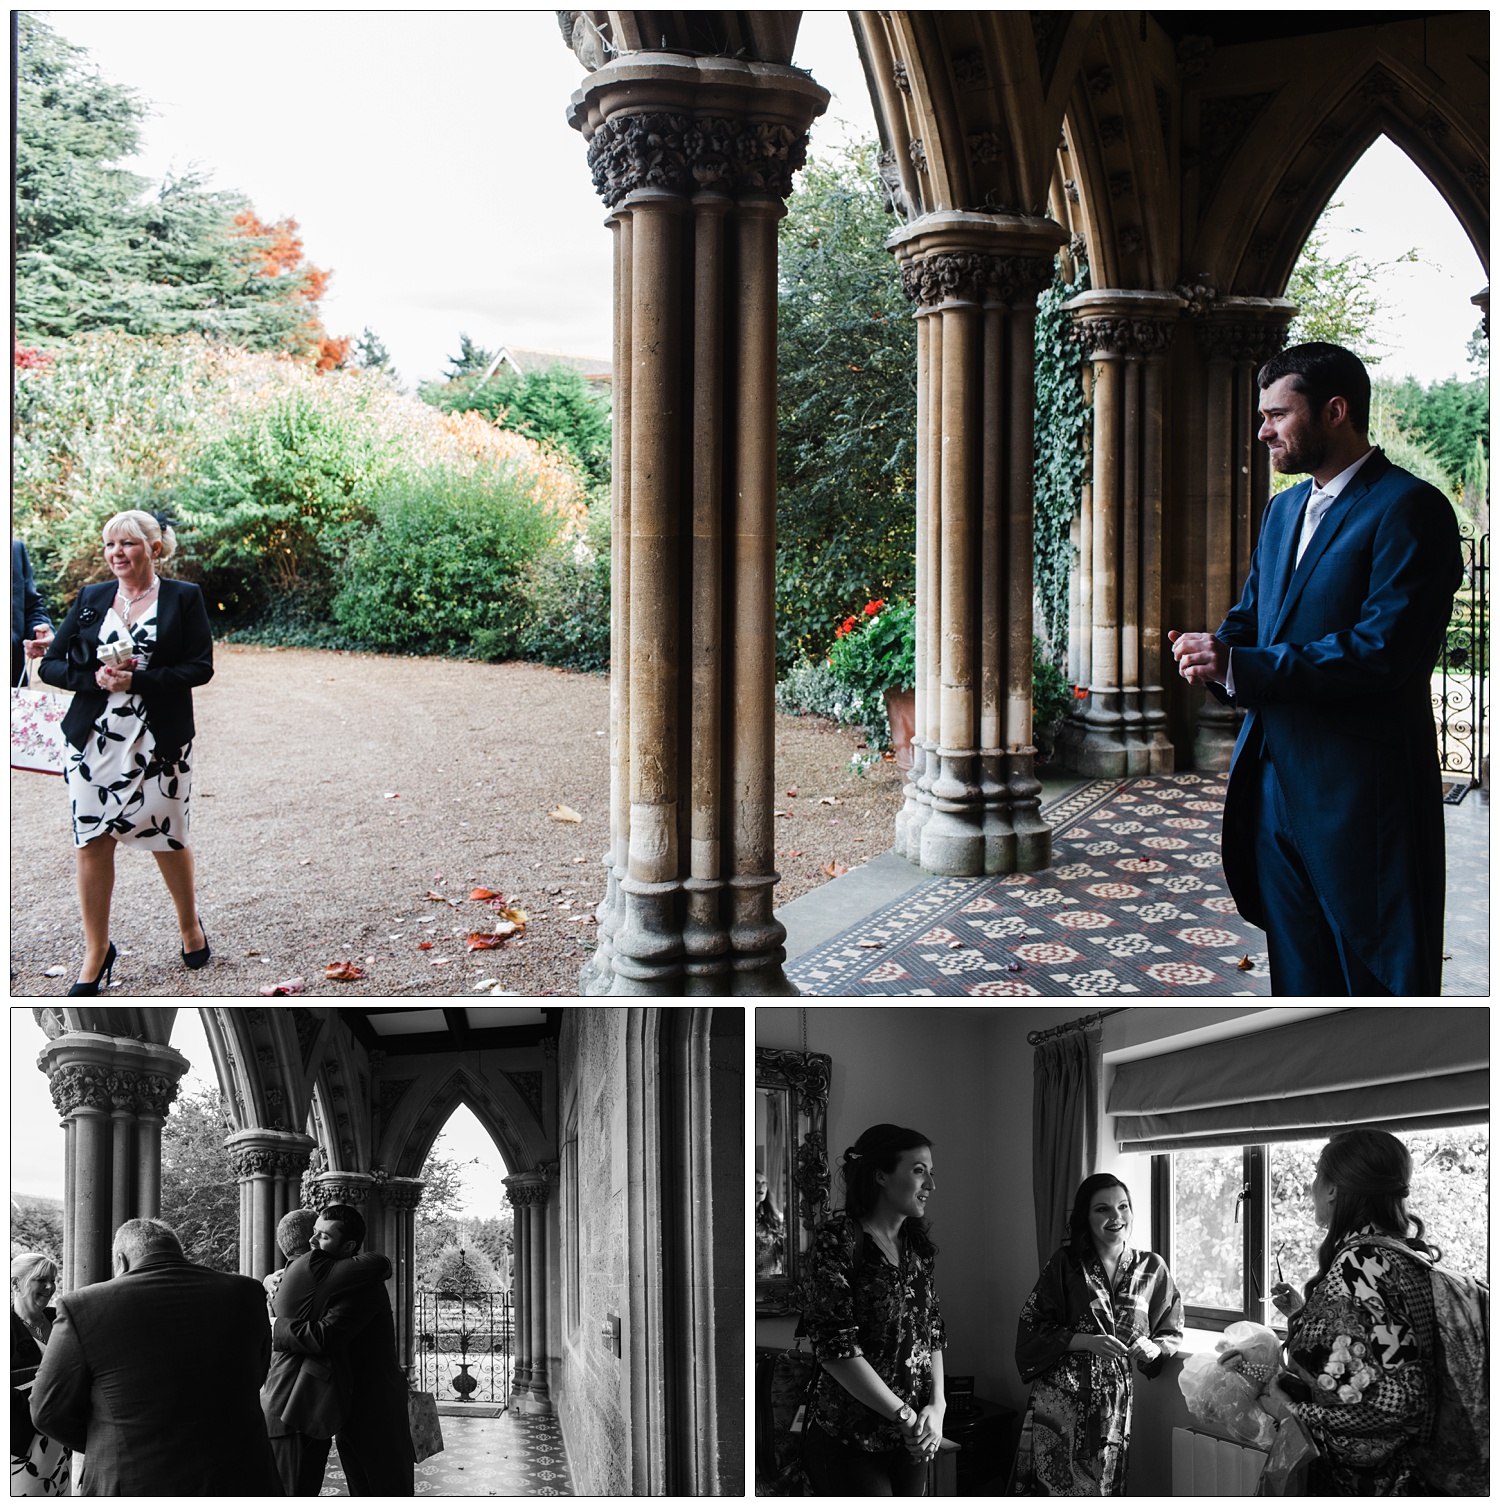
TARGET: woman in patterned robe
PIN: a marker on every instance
(1098, 1307)
(871, 1310)
(1361, 1337)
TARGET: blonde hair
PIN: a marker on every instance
(31, 1264)
(135, 524)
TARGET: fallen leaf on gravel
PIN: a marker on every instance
(393, 795)
(564, 814)
(344, 972)
(1244, 965)
(481, 941)
(286, 986)
(304, 862)
(512, 916)
(794, 853)
(829, 800)
(792, 791)
(484, 894)
(424, 946)
(56, 971)
(433, 895)
(872, 944)
(835, 869)
(781, 813)
(437, 962)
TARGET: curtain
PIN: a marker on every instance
(1399, 1068)
(1064, 1128)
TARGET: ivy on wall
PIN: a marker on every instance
(1062, 419)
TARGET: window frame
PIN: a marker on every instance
(1253, 1214)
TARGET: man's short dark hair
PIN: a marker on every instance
(348, 1219)
(294, 1232)
(1322, 371)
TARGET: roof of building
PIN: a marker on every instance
(526, 362)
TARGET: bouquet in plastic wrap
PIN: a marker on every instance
(1224, 1393)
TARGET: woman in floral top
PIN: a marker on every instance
(1098, 1306)
(1361, 1336)
(871, 1310)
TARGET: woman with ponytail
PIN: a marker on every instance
(1099, 1307)
(1361, 1336)
(871, 1310)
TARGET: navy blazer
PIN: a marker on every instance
(1333, 660)
(156, 1377)
(27, 610)
(183, 658)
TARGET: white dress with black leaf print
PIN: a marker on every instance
(120, 787)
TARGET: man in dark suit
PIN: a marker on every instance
(30, 627)
(1333, 821)
(345, 1340)
(306, 1398)
(156, 1376)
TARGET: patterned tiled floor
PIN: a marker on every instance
(485, 1457)
(1135, 903)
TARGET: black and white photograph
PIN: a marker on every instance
(315, 1251)
(1154, 1250)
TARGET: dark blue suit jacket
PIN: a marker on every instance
(1333, 661)
(27, 610)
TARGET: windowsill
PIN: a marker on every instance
(1203, 1341)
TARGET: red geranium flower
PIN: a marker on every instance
(847, 626)
(874, 607)
(1080, 693)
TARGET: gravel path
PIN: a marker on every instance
(332, 792)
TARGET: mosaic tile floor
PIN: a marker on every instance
(485, 1457)
(1135, 903)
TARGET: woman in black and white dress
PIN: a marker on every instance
(132, 649)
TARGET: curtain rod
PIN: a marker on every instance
(1034, 1038)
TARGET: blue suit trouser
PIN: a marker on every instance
(1307, 951)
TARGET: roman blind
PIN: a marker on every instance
(1401, 1068)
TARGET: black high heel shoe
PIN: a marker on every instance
(106, 975)
(199, 956)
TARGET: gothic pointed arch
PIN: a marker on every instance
(1261, 200)
(412, 1112)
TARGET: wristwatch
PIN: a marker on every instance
(905, 1415)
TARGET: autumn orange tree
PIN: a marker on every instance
(279, 255)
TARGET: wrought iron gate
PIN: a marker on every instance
(1460, 685)
(465, 1346)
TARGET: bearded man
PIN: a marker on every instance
(1333, 820)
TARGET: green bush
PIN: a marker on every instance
(463, 1272)
(1051, 695)
(811, 688)
(275, 497)
(439, 568)
(567, 600)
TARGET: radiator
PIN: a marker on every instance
(1203, 1466)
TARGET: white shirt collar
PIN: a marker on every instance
(1342, 480)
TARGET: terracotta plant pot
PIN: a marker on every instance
(901, 708)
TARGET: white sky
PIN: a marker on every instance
(428, 160)
(36, 1138)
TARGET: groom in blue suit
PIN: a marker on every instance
(1333, 821)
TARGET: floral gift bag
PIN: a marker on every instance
(36, 739)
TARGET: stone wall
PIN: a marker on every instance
(592, 1388)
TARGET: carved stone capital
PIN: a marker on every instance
(685, 154)
(1124, 322)
(253, 1161)
(403, 1193)
(326, 1188)
(975, 277)
(154, 1094)
(82, 1085)
(528, 1189)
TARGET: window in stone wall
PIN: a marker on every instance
(573, 1256)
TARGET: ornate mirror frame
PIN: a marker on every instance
(803, 1077)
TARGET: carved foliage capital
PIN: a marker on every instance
(402, 1193)
(1253, 340)
(333, 1189)
(80, 1085)
(1114, 335)
(685, 154)
(974, 275)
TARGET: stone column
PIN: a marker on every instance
(401, 1195)
(694, 157)
(517, 1191)
(972, 801)
(265, 1160)
(1122, 729)
(102, 1087)
(1236, 337)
